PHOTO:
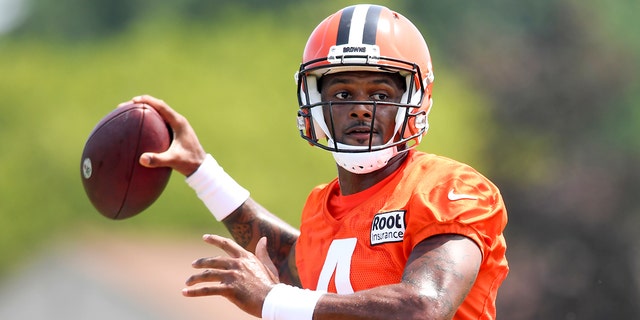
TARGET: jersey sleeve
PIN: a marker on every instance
(465, 203)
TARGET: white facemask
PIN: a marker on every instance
(362, 162)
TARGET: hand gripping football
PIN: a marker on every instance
(113, 179)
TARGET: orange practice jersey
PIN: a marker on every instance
(360, 241)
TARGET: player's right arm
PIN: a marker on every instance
(245, 219)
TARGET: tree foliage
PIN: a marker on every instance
(558, 77)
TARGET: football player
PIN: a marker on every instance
(399, 234)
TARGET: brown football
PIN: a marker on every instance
(115, 182)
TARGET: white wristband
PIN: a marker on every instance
(286, 302)
(219, 192)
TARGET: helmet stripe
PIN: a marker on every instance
(358, 25)
(371, 25)
(345, 26)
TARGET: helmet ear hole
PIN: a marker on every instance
(309, 128)
(417, 125)
(315, 128)
(304, 124)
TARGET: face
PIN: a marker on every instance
(351, 122)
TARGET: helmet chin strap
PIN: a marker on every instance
(362, 162)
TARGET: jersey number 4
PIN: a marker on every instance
(339, 261)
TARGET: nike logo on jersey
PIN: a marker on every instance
(388, 227)
(452, 196)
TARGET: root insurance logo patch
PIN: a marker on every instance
(388, 227)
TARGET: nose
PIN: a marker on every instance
(361, 111)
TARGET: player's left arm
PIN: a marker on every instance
(438, 276)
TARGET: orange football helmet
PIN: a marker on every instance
(366, 38)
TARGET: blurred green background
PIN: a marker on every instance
(541, 97)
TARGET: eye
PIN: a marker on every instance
(342, 95)
(379, 97)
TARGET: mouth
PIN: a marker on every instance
(360, 133)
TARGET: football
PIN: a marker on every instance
(113, 179)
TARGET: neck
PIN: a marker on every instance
(351, 183)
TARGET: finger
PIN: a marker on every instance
(208, 275)
(152, 101)
(210, 290)
(211, 275)
(167, 113)
(263, 255)
(229, 246)
(221, 263)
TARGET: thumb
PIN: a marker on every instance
(263, 255)
(153, 160)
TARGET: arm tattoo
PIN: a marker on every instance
(241, 232)
(250, 222)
